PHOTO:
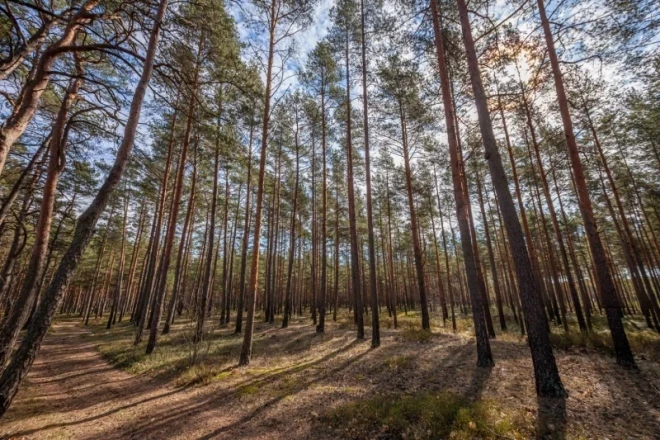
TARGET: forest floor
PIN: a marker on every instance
(89, 383)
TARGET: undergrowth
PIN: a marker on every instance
(176, 358)
(424, 415)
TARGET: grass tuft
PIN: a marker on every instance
(399, 362)
(416, 335)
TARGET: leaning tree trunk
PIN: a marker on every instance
(548, 382)
(28, 99)
(24, 357)
(609, 297)
(20, 311)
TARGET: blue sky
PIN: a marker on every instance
(304, 41)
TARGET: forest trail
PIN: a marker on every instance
(73, 392)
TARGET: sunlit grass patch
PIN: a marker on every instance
(247, 390)
(421, 416)
(175, 357)
(203, 374)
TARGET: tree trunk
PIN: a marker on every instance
(375, 324)
(28, 99)
(292, 236)
(548, 382)
(491, 258)
(355, 255)
(609, 297)
(246, 235)
(183, 247)
(246, 349)
(120, 271)
(147, 289)
(20, 311)
(24, 357)
(414, 228)
(161, 278)
(484, 355)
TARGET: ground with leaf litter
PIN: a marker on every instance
(88, 383)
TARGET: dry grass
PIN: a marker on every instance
(419, 384)
(424, 415)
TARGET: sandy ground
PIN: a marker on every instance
(72, 392)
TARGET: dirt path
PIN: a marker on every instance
(72, 392)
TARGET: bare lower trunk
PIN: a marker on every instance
(246, 239)
(116, 296)
(491, 259)
(184, 245)
(206, 281)
(147, 287)
(355, 256)
(375, 324)
(292, 236)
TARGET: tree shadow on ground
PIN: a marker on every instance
(20, 434)
(211, 400)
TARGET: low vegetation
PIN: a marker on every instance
(425, 415)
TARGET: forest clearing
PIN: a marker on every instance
(330, 219)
